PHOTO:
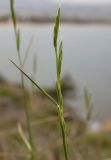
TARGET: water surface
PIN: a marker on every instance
(87, 57)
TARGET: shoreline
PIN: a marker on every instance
(25, 23)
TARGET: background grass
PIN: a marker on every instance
(44, 130)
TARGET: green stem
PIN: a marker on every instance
(62, 125)
(60, 109)
(27, 115)
(17, 38)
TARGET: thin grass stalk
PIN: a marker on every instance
(31, 90)
(60, 109)
(58, 83)
(27, 115)
(62, 125)
(59, 104)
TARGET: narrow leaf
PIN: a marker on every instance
(40, 89)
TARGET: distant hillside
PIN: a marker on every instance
(45, 11)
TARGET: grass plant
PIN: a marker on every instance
(86, 146)
(21, 64)
(59, 55)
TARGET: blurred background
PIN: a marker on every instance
(85, 29)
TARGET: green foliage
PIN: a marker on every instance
(22, 63)
(84, 144)
(41, 89)
(68, 87)
(58, 82)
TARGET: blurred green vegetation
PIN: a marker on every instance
(10, 92)
(83, 145)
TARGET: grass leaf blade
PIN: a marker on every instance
(40, 89)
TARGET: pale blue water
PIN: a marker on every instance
(87, 57)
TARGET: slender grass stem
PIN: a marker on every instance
(59, 104)
(59, 54)
(27, 115)
(21, 64)
(62, 125)
(61, 118)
